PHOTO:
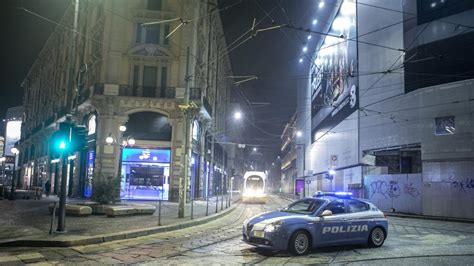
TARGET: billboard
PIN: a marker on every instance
(334, 82)
(12, 135)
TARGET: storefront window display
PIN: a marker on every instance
(145, 174)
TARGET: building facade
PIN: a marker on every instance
(391, 113)
(290, 182)
(126, 82)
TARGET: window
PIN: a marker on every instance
(444, 125)
(164, 75)
(336, 207)
(91, 125)
(357, 206)
(149, 81)
(136, 73)
(139, 33)
(196, 130)
(306, 206)
(167, 31)
(153, 34)
(154, 5)
(148, 34)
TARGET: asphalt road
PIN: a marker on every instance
(410, 241)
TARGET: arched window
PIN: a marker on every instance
(196, 130)
(92, 125)
(148, 126)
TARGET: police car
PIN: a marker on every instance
(326, 219)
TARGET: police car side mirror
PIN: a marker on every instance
(326, 213)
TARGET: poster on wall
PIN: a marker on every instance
(334, 82)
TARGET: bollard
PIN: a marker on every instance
(159, 213)
(207, 204)
(217, 202)
(192, 207)
(222, 201)
(52, 219)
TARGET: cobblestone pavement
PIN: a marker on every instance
(410, 241)
(33, 215)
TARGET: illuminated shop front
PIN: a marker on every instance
(145, 174)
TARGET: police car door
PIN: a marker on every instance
(358, 219)
(331, 229)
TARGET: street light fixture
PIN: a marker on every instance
(299, 133)
(109, 140)
(254, 149)
(238, 115)
(123, 128)
(131, 142)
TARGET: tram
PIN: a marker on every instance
(254, 190)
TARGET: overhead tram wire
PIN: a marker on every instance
(390, 69)
(412, 14)
(377, 30)
(200, 64)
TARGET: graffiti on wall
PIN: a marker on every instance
(388, 190)
(392, 189)
(462, 185)
(411, 190)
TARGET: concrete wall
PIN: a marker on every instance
(448, 189)
(403, 192)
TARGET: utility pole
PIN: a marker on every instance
(72, 57)
(64, 153)
(186, 108)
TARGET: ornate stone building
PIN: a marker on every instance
(127, 74)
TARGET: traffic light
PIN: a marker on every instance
(61, 139)
(68, 138)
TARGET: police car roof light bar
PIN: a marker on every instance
(334, 194)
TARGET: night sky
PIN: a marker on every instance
(272, 56)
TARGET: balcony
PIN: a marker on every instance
(136, 91)
(195, 94)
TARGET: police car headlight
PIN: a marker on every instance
(269, 228)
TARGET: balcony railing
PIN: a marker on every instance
(154, 92)
(146, 91)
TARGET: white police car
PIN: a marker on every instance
(333, 218)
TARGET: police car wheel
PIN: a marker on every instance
(299, 243)
(376, 237)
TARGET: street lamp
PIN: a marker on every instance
(238, 115)
(109, 140)
(15, 152)
(299, 133)
(254, 149)
(123, 128)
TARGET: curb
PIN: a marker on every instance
(80, 241)
(427, 217)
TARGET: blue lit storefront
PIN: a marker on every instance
(145, 174)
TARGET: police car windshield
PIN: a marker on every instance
(304, 206)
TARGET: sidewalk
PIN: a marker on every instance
(24, 221)
(428, 217)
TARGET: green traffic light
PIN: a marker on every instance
(62, 145)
